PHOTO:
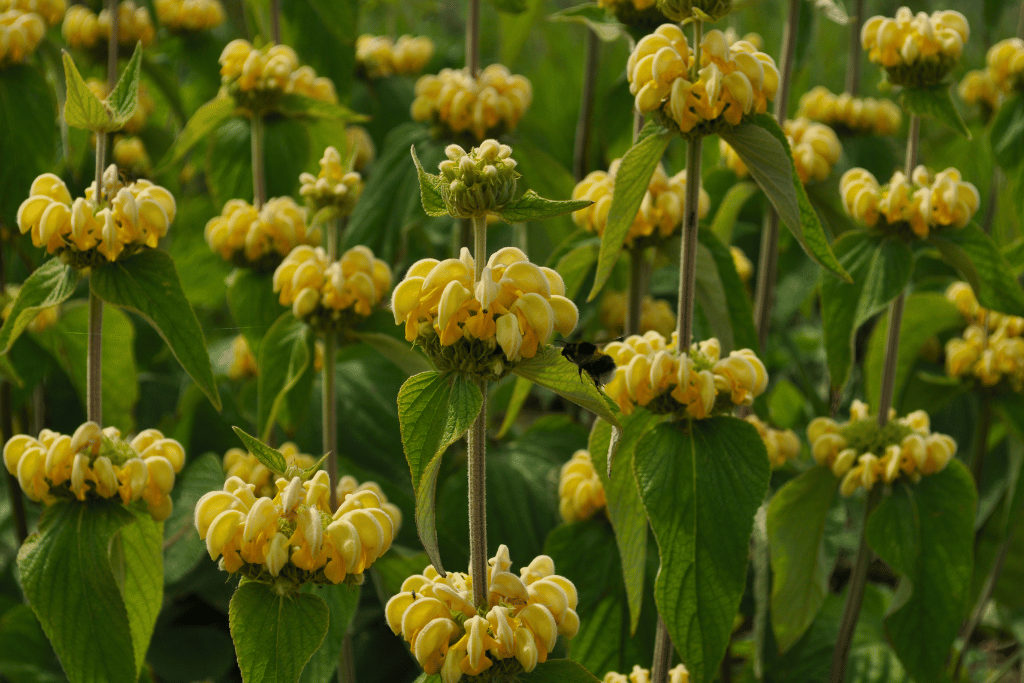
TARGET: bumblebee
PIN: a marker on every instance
(587, 358)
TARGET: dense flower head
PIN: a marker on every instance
(240, 463)
(97, 463)
(677, 674)
(84, 29)
(855, 114)
(189, 15)
(523, 618)
(661, 210)
(991, 348)
(380, 57)
(255, 75)
(349, 485)
(916, 49)
(925, 202)
(43, 320)
(580, 493)
(730, 81)
(655, 314)
(361, 150)
(243, 362)
(293, 536)
(782, 444)
(52, 11)
(863, 454)
(744, 267)
(20, 33)
(482, 326)
(331, 295)
(487, 106)
(977, 87)
(478, 182)
(1005, 62)
(143, 109)
(91, 229)
(259, 238)
(651, 373)
(334, 186)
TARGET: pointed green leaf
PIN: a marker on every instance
(551, 370)
(937, 104)
(275, 635)
(82, 109)
(285, 353)
(124, 98)
(520, 392)
(532, 207)
(409, 359)
(594, 17)
(631, 182)
(760, 144)
(558, 671)
(719, 288)
(979, 261)
(50, 284)
(300, 106)
(430, 189)
(701, 483)
(253, 304)
(729, 210)
(271, 457)
(1007, 133)
(142, 548)
(342, 601)
(203, 123)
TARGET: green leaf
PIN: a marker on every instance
(25, 654)
(285, 353)
(253, 304)
(65, 571)
(434, 410)
(275, 635)
(979, 261)
(532, 207)
(148, 284)
(510, 6)
(729, 210)
(1011, 409)
(631, 181)
(683, 471)
(324, 33)
(27, 117)
(937, 104)
(594, 17)
(141, 544)
(719, 287)
(82, 109)
(430, 189)
(549, 369)
(520, 392)
(801, 565)
(1007, 133)
(342, 601)
(558, 671)
(760, 144)
(881, 268)
(48, 285)
(183, 549)
(271, 457)
(574, 267)
(625, 509)
(300, 106)
(203, 123)
(926, 533)
(124, 98)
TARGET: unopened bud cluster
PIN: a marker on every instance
(925, 202)
(52, 11)
(863, 454)
(94, 464)
(991, 348)
(332, 296)
(256, 77)
(782, 444)
(854, 114)
(482, 327)
(815, 148)
(730, 81)
(744, 267)
(480, 181)
(580, 493)
(361, 150)
(380, 57)
(661, 210)
(651, 373)
(523, 618)
(334, 186)
(84, 29)
(43, 320)
(240, 463)
(20, 33)
(259, 238)
(293, 537)
(655, 314)
(916, 50)
(487, 106)
(189, 15)
(243, 362)
(677, 674)
(95, 229)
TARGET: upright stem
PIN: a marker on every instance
(477, 454)
(635, 293)
(259, 178)
(1020, 21)
(275, 20)
(662, 654)
(762, 589)
(94, 348)
(473, 37)
(688, 251)
(7, 431)
(581, 151)
(115, 20)
(330, 393)
(853, 56)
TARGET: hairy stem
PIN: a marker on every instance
(347, 665)
(477, 454)
(330, 394)
(635, 293)
(581, 151)
(662, 654)
(473, 37)
(688, 252)
(275, 21)
(115, 20)
(853, 56)
(259, 177)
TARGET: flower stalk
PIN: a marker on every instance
(330, 392)
(473, 37)
(275, 21)
(853, 57)
(635, 293)
(259, 179)
(477, 454)
(581, 150)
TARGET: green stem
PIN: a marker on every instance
(329, 406)
(275, 20)
(581, 151)
(979, 608)
(115, 20)
(662, 653)
(94, 360)
(259, 179)
(347, 666)
(688, 252)
(477, 454)
(635, 292)
(853, 57)
(473, 37)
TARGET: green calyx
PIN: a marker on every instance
(480, 358)
(116, 450)
(924, 73)
(480, 181)
(330, 320)
(703, 10)
(865, 436)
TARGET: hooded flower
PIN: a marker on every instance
(916, 50)
(855, 114)
(580, 493)
(380, 57)
(487, 106)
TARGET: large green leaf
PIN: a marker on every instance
(979, 261)
(558, 671)
(760, 144)
(148, 284)
(434, 410)
(65, 571)
(324, 35)
(27, 117)
(82, 109)
(801, 564)
(1007, 133)
(285, 353)
(736, 330)
(342, 601)
(631, 181)
(549, 369)
(926, 533)
(141, 545)
(937, 104)
(202, 124)
(701, 483)
(253, 304)
(575, 265)
(48, 285)
(25, 654)
(881, 268)
(275, 635)
(229, 158)
(300, 106)
(532, 207)
(183, 549)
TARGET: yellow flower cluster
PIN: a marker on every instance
(730, 81)
(1005, 62)
(516, 306)
(678, 674)
(331, 295)
(254, 237)
(977, 87)
(744, 268)
(862, 453)
(856, 114)
(815, 147)
(20, 33)
(925, 202)
(239, 463)
(243, 363)
(361, 150)
(95, 463)
(334, 186)
(349, 485)
(962, 296)
(655, 314)
(448, 635)
(43, 320)
(992, 346)
(294, 535)
(916, 50)
(270, 70)
(127, 218)
(651, 373)
(83, 29)
(130, 154)
(189, 15)
(380, 57)
(487, 106)
(145, 106)
(782, 444)
(661, 210)
(52, 11)
(580, 493)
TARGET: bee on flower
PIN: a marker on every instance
(677, 674)
(84, 29)
(655, 314)
(189, 15)
(856, 115)
(335, 185)
(487, 106)
(815, 147)
(580, 493)
(20, 33)
(448, 635)
(917, 50)
(256, 77)
(259, 238)
(52, 11)
(380, 57)
(782, 444)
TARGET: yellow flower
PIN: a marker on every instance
(259, 237)
(253, 75)
(782, 445)
(334, 186)
(816, 148)
(130, 154)
(243, 362)
(677, 674)
(491, 104)
(580, 492)
(857, 114)
(916, 50)
(655, 314)
(20, 33)
(52, 11)
(189, 15)
(379, 57)
(1005, 62)
(240, 464)
(744, 268)
(83, 29)
(991, 348)
(978, 87)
